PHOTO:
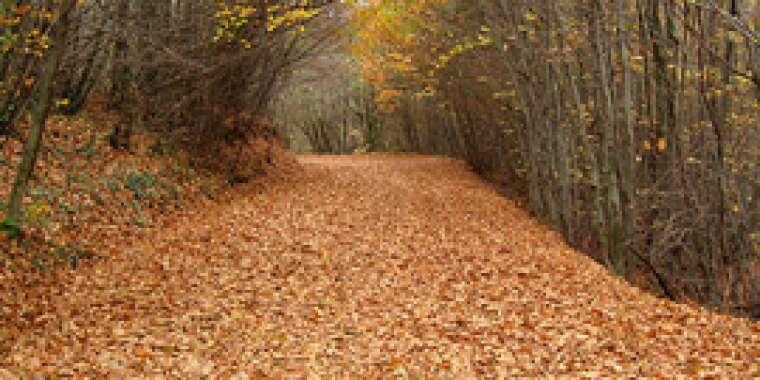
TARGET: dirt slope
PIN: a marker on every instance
(372, 267)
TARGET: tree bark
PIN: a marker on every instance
(39, 112)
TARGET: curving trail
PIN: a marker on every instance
(369, 267)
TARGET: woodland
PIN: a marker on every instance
(379, 188)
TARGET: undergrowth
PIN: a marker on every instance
(87, 197)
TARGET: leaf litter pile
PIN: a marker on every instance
(369, 266)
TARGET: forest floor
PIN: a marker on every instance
(372, 266)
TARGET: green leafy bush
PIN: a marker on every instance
(88, 150)
(141, 184)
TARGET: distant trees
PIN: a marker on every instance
(325, 108)
(629, 125)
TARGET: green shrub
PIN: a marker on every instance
(112, 185)
(141, 184)
(66, 208)
(141, 222)
(88, 150)
(76, 178)
(11, 228)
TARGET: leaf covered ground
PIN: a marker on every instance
(88, 199)
(367, 267)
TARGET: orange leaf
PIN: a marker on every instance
(141, 352)
(662, 144)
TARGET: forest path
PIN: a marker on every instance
(371, 266)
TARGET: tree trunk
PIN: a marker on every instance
(39, 111)
(627, 165)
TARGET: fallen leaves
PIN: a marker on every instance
(366, 267)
